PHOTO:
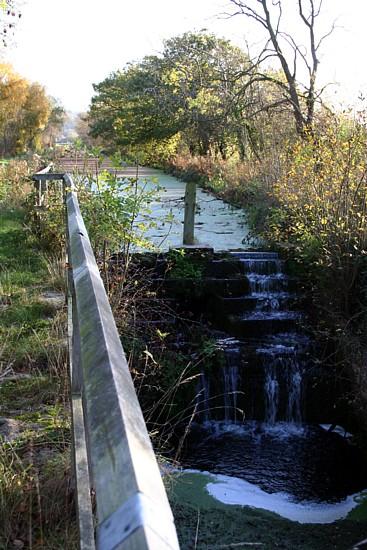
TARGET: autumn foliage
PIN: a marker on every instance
(321, 204)
(26, 113)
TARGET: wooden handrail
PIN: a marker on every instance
(40, 185)
(112, 449)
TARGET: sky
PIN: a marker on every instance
(68, 45)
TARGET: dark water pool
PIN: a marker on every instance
(306, 462)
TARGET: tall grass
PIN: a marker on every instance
(36, 494)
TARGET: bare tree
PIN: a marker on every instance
(291, 54)
(9, 14)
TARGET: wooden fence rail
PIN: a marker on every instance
(113, 454)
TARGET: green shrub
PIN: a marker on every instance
(184, 266)
(321, 210)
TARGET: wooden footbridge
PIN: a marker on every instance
(113, 455)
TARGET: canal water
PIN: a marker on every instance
(217, 224)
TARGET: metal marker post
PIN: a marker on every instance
(189, 219)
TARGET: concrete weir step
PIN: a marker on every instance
(261, 266)
(225, 268)
(209, 286)
(258, 301)
(258, 255)
(255, 327)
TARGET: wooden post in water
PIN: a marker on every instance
(189, 219)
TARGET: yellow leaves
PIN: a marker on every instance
(25, 110)
(149, 356)
(174, 76)
(162, 335)
(322, 193)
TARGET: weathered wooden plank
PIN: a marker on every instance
(76, 382)
(80, 453)
(68, 185)
(144, 537)
(48, 176)
(134, 524)
(83, 498)
(122, 459)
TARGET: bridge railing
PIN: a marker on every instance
(113, 454)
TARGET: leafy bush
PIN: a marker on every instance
(184, 266)
(321, 208)
(116, 212)
(247, 184)
(15, 182)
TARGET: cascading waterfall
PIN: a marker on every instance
(265, 364)
(231, 379)
(271, 394)
(282, 369)
(294, 410)
(230, 387)
(221, 400)
(203, 397)
(273, 354)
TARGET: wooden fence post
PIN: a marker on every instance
(189, 219)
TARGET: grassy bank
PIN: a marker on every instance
(36, 506)
(25, 314)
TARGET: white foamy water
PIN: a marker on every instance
(232, 490)
(252, 428)
(336, 429)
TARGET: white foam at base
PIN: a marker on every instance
(280, 430)
(336, 429)
(232, 490)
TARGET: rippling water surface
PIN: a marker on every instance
(306, 462)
